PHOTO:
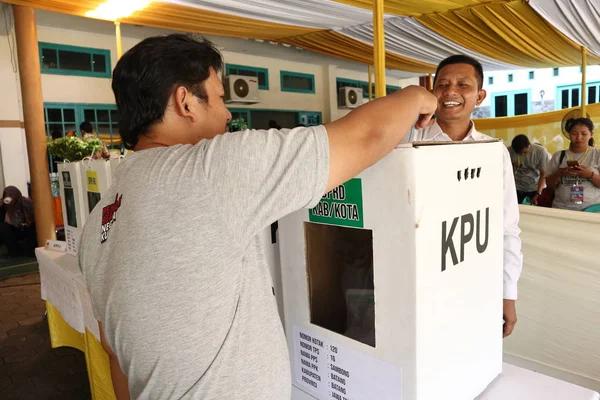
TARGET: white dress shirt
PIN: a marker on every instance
(513, 259)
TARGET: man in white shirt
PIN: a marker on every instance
(458, 86)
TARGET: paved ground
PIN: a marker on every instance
(29, 368)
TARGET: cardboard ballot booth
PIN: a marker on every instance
(74, 202)
(393, 282)
(98, 178)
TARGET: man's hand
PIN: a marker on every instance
(534, 200)
(510, 317)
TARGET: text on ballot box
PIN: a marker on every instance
(330, 370)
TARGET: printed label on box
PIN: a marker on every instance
(343, 206)
(329, 370)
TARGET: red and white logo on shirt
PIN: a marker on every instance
(109, 215)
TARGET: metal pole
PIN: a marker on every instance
(583, 81)
(379, 48)
(119, 43)
(370, 82)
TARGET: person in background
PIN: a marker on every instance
(17, 223)
(87, 131)
(458, 86)
(274, 125)
(574, 174)
(180, 284)
(529, 165)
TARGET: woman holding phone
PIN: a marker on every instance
(575, 173)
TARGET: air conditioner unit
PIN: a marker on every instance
(349, 97)
(241, 89)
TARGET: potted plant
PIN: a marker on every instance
(72, 148)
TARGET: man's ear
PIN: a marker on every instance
(481, 95)
(181, 100)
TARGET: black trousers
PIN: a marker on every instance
(521, 196)
(19, 241)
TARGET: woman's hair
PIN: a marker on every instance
(571, 122)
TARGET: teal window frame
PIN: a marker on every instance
(283, 74)
(79, 109)
(559, 89)
(70, 72)
(246, 114)
(510, 103)
(265, 86)
(344, 82)
(389, 89)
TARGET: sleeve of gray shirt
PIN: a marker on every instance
(258, 176)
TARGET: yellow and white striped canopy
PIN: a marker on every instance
(502, 34)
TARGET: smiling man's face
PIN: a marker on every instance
(457, 90)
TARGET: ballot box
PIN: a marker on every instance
(97, 180)
(393, 282)
(73, 196)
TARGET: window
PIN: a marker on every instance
(570, 96)
(297, 82)
(105, 121)
(309, 118)
(510, 77)
(261, 73)
(60, 59)
(389, 89)
(491, 80)
(531, 74)
(343, 82)
(509, 104)
(62, 119)
(555, 71)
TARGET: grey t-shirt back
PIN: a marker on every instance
(527, 168)
(176, 274)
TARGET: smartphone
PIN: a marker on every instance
(572, 163)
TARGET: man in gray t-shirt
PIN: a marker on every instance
(529, 166)
(171, 257)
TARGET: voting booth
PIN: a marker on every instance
(74, 202)
(393, 283)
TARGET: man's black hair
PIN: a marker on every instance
(520, 143)
(146, 76)
(462, 59)
(86, 127)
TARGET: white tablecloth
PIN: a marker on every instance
(520, 384)
(516, 384)
(62, 285)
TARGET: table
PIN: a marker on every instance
(71, 319)
(71, 323)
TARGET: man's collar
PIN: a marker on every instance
(435, 130)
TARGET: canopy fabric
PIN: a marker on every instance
(308, 13)
(510, 32)
(407, 36)
(543, 128)
(503, 34)
(579, 19)
(418, 7)
(339, 45)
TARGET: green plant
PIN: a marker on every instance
(238, 124)
(73, 148)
